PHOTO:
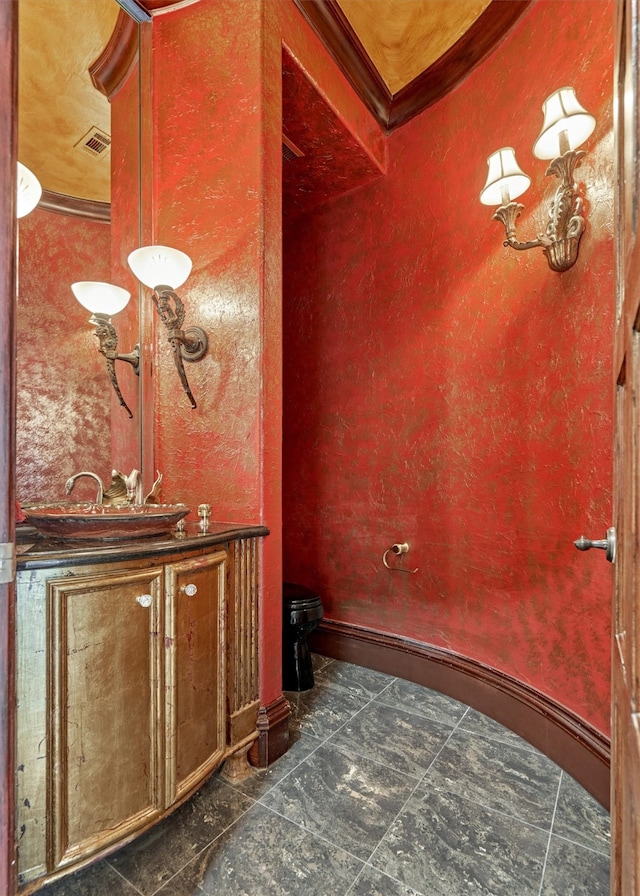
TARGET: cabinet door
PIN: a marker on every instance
(105, 709)
(195, 670)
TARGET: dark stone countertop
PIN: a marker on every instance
(37, 551)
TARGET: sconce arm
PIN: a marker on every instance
(188, 345)
(132, 358)
(508, 214)
(108, 339)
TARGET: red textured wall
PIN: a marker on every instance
(216, 195)
(215, 191)
(207, 179)
(438, 388)
(125, 236)
(443, 390)
(63, 391)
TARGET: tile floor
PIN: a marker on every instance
(389, 789)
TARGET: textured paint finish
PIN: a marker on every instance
(333, 159)
(443, 390)
(216, 194)
(125, 237)
(64, 394)
(207, 176)
(341, 101)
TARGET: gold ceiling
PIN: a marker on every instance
(60, 39)
(57, 103)
(405, 37)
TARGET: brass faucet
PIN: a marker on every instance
(72, 481)
(124, 490)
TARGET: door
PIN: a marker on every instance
(9, 131)
(104, 726)
(625, 764)
(195, 670)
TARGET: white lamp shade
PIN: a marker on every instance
(160, 266)
(28, 191)
(100, 298)
(562, 112)
(505, 177)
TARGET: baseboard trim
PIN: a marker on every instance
(273, 733)
(575, 745)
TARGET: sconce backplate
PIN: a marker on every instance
(195, 345)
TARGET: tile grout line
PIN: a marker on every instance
(404, 805)
(580, 845)
(316, 834)
(158, 891)
(221, 833)
(553, 818)
(125, 879)
(354, 714)
(365, 865)
(322, 742)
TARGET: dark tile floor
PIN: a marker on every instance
(389, 789)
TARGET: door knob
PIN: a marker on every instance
(607, 544)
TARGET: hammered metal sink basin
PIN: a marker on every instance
(104, 521)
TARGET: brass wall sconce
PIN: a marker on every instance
(104, 300)
(163, 270)
(566, 126)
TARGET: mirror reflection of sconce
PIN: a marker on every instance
(28, 191)
(104, 300)
(566, 126)
(163, 270)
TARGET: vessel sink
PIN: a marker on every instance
(104, 521)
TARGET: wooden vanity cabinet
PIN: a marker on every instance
(131, 679)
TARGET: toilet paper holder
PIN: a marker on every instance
(397, 549)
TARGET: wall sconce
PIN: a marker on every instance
(566, 126)
(163, 270)
(104, 300)
(28, 191)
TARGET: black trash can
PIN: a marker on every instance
(301, 613)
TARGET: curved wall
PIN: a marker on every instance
(442, 390)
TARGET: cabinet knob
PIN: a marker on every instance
(189, 589)
(145, 600)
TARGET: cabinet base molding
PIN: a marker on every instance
(570, 741)
(273, 733)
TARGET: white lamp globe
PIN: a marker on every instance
(100, 298)
(160, 266)
(28, 191)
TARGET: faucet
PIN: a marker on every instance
(123, 489)
(72, 481)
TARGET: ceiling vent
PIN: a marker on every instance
(289, 150)
(95, 142)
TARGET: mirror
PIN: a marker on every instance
(67, 417)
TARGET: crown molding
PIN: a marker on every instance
(62, 204)
(333, 28)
